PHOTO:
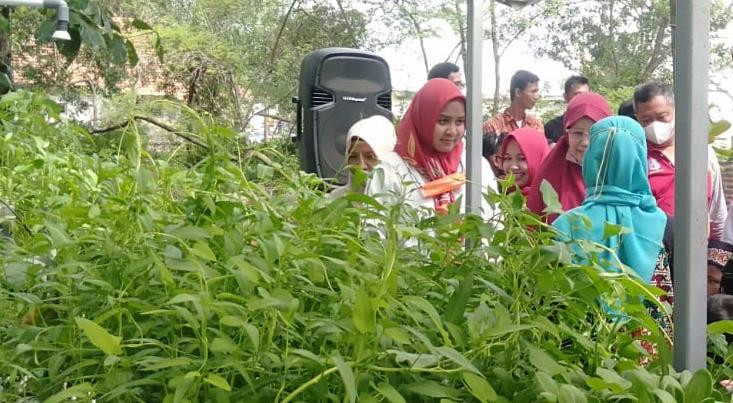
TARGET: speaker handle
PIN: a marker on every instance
(298, 119)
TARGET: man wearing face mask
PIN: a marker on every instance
(655, 111)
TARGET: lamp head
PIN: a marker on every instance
(62, 32)
(518, 4)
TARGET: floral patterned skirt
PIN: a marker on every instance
(662, 279)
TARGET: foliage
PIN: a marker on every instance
(506, 25)
(92, 25)
(614, 43)
(721, 48)
(95, 35)
(237, 59)
(617, 43)
(615, 96)
(132, 278)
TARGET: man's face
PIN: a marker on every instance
(715, 277)
(457, 79)
(576, 89)
(529, 96)
(656, 108)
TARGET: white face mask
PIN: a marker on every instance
(659, 132)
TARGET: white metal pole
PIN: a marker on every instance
(474, 108)
(691, 94)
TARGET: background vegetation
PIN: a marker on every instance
(129, 276)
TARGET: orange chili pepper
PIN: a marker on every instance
(445, 184)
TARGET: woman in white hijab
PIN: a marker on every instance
(367, 142)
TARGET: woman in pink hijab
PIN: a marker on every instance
(522, 153)
(562, 166)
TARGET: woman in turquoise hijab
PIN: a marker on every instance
(618, 193)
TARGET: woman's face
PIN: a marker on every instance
(362, 155)
(513, 162)
(579, 137)
(450, 127)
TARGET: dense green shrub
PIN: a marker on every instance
(234, 279)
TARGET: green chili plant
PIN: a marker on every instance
(132, 277)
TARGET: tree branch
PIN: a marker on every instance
(249, 152)
(280, 33)
(453, 51)
(421, 39)
(348, 23)
(497, 56)
(656, 56)
(277, 101)
(153, 122)
(611, 34)
(17, 216)
(271, 116)
(461, 34)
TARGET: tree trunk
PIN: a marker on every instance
(658, 54)
(348, 24)
(497, 57)
(612, 37)
(673, 26)
(273, 54)
(6, 45)
(419, 33)
(237, 103)
(461, 35)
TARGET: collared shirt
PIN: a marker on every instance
(506, 123)
(661, 180)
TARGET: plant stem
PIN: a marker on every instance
(412, 369)
(308, 384)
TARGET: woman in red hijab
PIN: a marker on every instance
(522, 153)
(562, 166)
(427, 166)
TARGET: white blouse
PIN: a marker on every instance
(394, 181)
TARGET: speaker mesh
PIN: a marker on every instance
(320, 97)
(385, 101)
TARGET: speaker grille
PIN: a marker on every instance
(320, 97)
(385, 101)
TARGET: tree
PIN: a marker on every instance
(503, 33)
(410, 19)
(240, 58)
(417, 19)
(615, 43)
(91, 26)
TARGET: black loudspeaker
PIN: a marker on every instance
(338, 87)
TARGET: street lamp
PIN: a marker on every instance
(691, 57)
(518, 4)
(62, 14)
